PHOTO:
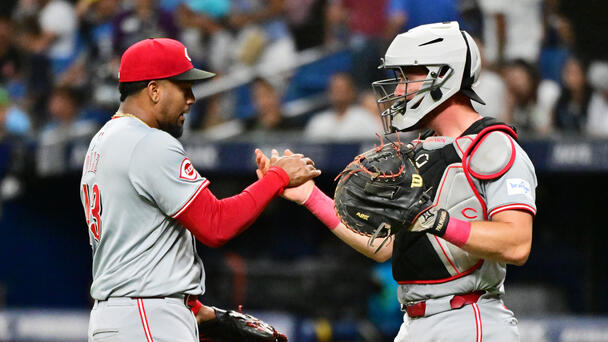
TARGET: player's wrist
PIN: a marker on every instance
(195, 306)
(457, 232)
(322, 206)
(280, 175)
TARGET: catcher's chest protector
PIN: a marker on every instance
(420, 258)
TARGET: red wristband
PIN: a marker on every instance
(457, 232)
(195, 305)
(322, 206)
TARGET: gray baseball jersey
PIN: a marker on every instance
(473, 177)
(134, 180)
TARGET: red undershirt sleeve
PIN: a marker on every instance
(214, 222)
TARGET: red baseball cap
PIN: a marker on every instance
(158, 58)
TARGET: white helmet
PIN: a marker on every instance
(453, 62)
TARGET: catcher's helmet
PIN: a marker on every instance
(452, 60)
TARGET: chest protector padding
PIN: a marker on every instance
(425, 258)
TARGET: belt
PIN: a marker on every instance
(188, 299)
(420, 309)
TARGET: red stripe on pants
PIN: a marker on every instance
(478, 327)
(144, 319)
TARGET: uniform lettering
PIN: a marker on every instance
(92, 209)
(91, 161)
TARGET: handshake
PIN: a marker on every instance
(301, 171)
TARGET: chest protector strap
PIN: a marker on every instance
(489, 156)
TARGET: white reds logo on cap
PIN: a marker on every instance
(187, 171)
(186, 53)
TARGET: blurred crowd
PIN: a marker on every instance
(59, 61)
(545, 70)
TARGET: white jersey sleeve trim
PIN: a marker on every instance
(514, 206)
(187, 204)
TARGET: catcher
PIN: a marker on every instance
(452, 208)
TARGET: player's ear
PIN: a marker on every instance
(153, 90)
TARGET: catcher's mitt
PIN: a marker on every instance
(233, 326)
(381, 192)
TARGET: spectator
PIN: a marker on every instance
(59, 26)
(367, 100)
(345, 120)
(66, 126)
(530, 100)
(558, 41)
(512, 30)
(13, 120)
(263, 37)
(97, 28)
(97, 67)
(597, 122)
(205, 32)
(37, 69)
(306, 21)
(144, 20)
(471, 17)
(365, 23)
(570, 113)
(14, 133)
(10, 57)
(269, 116)
(405, 14)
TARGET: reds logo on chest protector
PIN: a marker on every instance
(453, 169)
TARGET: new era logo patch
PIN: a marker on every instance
(187, 171)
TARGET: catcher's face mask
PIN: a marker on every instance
(405, 92)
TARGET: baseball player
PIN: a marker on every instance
(450, 262)
(145, 203)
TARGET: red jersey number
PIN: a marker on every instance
(92, 209)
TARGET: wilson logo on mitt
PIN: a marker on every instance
(385, 184)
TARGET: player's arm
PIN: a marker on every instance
(322, 206)
(214, 222)
(361, 244)
(507, 238)
(507, 235)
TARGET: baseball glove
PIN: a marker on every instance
(233, 326)
(381, 192)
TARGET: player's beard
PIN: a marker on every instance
(176, 130)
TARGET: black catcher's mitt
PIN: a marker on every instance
(233, 326)
(381, 192)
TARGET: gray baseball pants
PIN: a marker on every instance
(123, 319)
(488, 320)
